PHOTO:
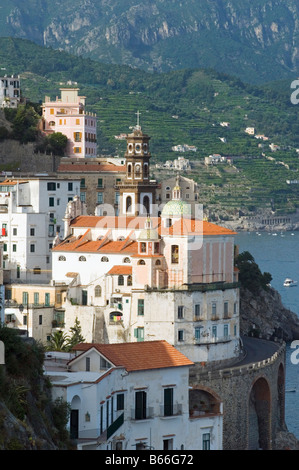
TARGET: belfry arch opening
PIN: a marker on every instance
(259, 419)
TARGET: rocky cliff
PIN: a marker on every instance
(256, 40)
(264, 314)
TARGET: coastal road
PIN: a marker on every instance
(257, 350)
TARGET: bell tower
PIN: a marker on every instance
(137, 192)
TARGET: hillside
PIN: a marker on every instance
(180, 107)
(255, 40)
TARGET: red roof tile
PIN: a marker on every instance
(125, 270)
(140, 355)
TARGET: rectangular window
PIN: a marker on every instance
(36, 270)
(14, 247)
(225, 330)
(156, 248)
(225, 309)
(87, 364)
(139, 334)
(51, 186)
(214, 331)
(70, 186)
(24, 298)
(32, 248)
(15, 231)
(47, 299)
(77, 136)
(180, 335)
(180, 311)
(206, 441)
(100, 198)
(100, 182)
(167, 444)
(168, 401)
(143, 247)
(174, 254)
(235, 308)
(36, 298)
(140, 306)
(82, 197)
(82, 183)
(197, 311)
(40, 319)
(214, 309)
(32, 232)
(120, 401)
(51, 201)
(140, 405)
(197, 332)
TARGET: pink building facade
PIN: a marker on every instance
(68, 116)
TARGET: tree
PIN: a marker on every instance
(56, 143)
(58, 341)
(250, 274)
(76, 336)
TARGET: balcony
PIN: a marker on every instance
(212, 339)
(171, 411)
(141, 414)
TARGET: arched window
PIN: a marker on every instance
(129, 170)
(158, 262)
(52, 123)
(126, 260)
(137, 170)
(141, 261)
(146, 204)
(104, 259)
(145, 170)
(62, 258)
(82, 258)
(97, 291)
(121, 280)
(129, 280)
(129, 204)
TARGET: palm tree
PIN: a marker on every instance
(58, 341)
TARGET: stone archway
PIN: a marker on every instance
(259, 416)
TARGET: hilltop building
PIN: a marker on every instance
(10, 91)
(68, 116)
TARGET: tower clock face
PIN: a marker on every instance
(138, 148)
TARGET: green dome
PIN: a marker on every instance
(176, 208)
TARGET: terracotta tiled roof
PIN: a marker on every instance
(91, 167)
(97, 246)
(125, 270)
(140, 355)
(184, 226)
(85, 221)
(191, 227)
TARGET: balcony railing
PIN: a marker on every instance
(146, 413)
(212, 339)
(171, 410)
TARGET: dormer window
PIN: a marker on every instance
(142, 247)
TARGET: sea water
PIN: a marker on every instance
(278, 254)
